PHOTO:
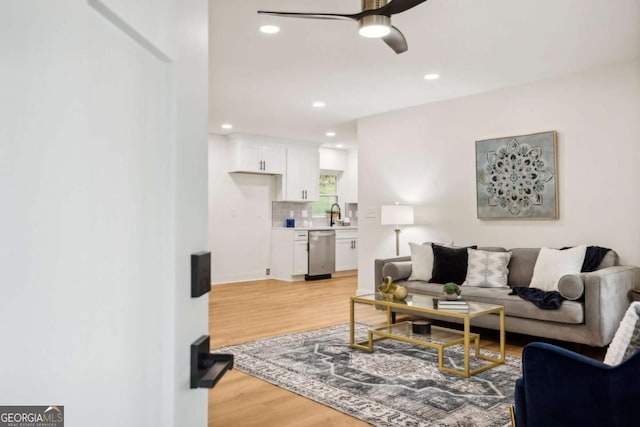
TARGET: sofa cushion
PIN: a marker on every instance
(571, 286)
(571, 312)
(552, 264)
(487, 269)
(449, 264)
(398, 270)
(492, 249)
(521, 266)
(609, 260)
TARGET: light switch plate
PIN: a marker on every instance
(371, 212)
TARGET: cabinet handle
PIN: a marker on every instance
(305, 194)
(264, 164)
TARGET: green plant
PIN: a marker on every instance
(451, 288)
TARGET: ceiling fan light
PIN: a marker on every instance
(374, 31)
(269, 29)
(375, 26)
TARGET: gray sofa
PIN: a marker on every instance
(598, 300)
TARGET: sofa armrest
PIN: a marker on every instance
(606, 295)
(380, 262)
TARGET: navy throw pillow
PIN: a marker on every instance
(449, 264)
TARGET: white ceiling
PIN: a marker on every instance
(265, 85)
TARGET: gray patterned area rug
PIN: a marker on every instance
(397, 385)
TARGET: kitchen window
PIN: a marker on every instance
(328, 194)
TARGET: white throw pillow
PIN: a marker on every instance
(487, 269)
(624, 337)
(421, 262)
(552, 264)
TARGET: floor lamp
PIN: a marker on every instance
(396, 215)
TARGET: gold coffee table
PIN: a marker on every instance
(439, 338)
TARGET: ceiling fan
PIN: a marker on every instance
(374, 20)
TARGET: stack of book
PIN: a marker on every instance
(458, 305)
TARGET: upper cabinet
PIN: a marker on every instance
(295, 165)
(300, 184)
(257, 157)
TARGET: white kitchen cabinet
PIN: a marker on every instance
(346, 250)
(300, 257)
(289, 254)
(300, 183)
(256, 157)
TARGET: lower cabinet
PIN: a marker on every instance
(301, 256)
(346, 250)
(289, 254)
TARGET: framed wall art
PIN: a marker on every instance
(516, 177)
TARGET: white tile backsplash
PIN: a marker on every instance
(282, 210)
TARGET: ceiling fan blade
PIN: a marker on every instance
(337, 16)
(396, 41)
(398, 6)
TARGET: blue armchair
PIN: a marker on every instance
(562, 388)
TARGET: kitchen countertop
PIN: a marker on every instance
(321, 227)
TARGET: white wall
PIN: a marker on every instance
(239, 218)
(103, 189)
(425, 156)
(351, 177)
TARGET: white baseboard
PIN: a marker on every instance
(241, 277)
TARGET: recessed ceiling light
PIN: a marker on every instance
(226, 126)
(339, 145)
(269, 29)
(319, 104)
(330, 134)
(431, 76)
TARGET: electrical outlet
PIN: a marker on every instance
(304, 213)
(268, 271)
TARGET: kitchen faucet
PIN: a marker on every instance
(331, 221)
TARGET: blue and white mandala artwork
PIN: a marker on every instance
(516, 177)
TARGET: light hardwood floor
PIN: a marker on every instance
(242, 312)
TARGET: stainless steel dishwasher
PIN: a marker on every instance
(322, 254)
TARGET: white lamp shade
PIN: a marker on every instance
(396, 215)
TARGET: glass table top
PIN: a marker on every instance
(428, 302)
